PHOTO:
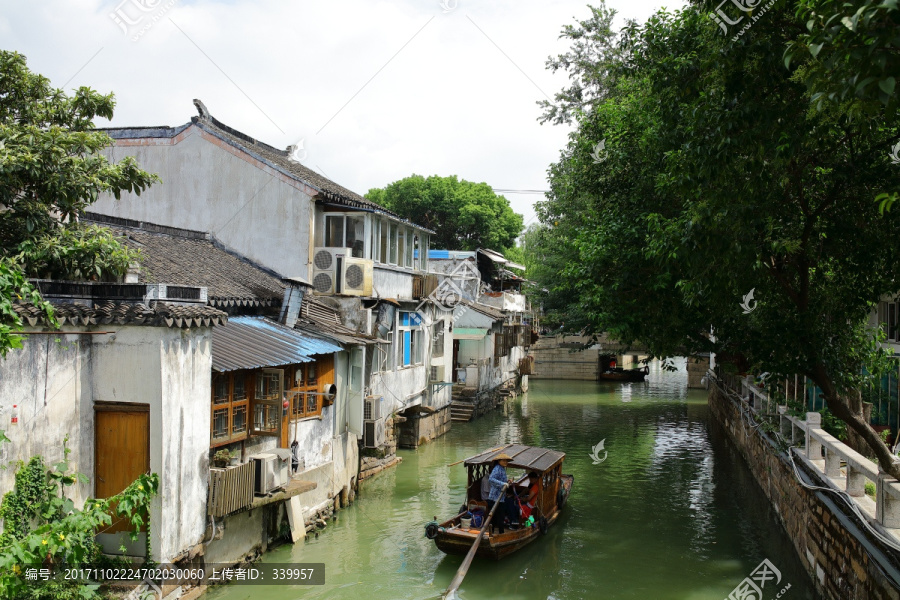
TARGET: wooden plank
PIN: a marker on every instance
(295, 518)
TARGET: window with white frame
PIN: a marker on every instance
(392, 242)
(437, 345)
(346, 231)
(889, 316)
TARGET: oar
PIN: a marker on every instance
(464, 567)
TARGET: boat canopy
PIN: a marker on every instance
(530, 458)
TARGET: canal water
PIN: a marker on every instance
(671, 513)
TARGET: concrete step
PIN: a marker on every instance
(461, 411)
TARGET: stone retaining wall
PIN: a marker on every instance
(843, 560)
(565, 363)
(420, 427)
(697, 366)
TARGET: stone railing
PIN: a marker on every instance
(836, 464)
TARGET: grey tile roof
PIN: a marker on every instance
(159, 314)
(230, 280)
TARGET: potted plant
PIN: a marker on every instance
(223, 457)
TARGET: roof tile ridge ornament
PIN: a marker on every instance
(201, 108)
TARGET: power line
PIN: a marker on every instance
(505, 191)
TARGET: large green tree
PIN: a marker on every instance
(706, 172)
(464, 215)
(51, 170)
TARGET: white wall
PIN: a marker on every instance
(207, 185)
(392, 282)
(49, 379)
(168, 369)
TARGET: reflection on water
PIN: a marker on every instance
(672, 513)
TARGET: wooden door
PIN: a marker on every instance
(455, 363)
(122, 449)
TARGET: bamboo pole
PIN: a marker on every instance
(464, 567)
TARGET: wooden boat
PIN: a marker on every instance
(620, 374)
(554, 488)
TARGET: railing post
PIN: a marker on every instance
(785, 427)
(813, 446)
(887, 507)
(832, 463)
(856, 482)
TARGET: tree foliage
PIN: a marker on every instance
(705, 173)
(463, 214)
(51, 170)
(42, 528)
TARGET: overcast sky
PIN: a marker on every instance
(376, 90)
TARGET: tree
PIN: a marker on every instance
(51, 170)
(590, 64)
(464, 215)
(854, 49)
(717, 178)
(42, 528)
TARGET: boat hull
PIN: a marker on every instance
(632, 375)
(453, 540)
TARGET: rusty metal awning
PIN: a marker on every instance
(254, 342)
(530, 458)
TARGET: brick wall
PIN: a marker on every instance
(556, 357)
(697, 366)
(844, 562)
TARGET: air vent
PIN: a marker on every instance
(323, 283)
(323, 260)
(354, 276)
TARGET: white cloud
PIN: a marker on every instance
(454, 100)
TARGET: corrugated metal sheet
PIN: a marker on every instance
(254, 342)
(448, 254)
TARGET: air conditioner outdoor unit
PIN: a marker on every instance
(373, 408)
(373, 433)
(437, 374)
(325, 269)
(266, 473)
(356, 277)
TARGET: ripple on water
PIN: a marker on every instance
(671, 514)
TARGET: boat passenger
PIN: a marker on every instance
(531, 493)
(498, 479)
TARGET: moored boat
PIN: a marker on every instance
(455, 536)
(620, 374)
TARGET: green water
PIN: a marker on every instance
(672, 513)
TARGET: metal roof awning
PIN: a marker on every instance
(468, 333)
(500, 259)
(254, 342)
(488, 311)
(530, 458)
